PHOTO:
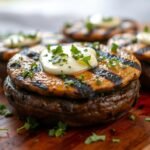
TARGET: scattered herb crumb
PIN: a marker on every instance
(69, 82)
(147, 119)
(59, 130)
(30, 124)
(4, 111)
(114, 48)
(146, 29)
(89, 26)
(116, 140)
(132, 117)
(81, 77)
(95, 138)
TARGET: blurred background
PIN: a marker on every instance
(49, 15)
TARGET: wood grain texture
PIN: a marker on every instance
(134, 135)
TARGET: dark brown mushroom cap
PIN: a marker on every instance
(131, 45)
(46, 38)
(78, 31)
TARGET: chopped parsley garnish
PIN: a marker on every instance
(63, 76)
(29, 72)
(96, 45)
(34, 66)
(112, 63)
(48, 47)
(89, 25)
(30, 124)
(67, 25)
(58, 57)
(147, 119)
(115, 140)
(4, 111)
(69, 82)
(107, 19)
(95, 138)
(86, 60)
(146, 29)
(29, 35)
(76, 53)
(114, 48)
(58, 50)
(81, 77)
(59, 130)
(132, 117)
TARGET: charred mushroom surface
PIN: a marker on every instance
(131, 44)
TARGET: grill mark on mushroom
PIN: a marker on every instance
(84, 89)
(117, 80)
(121, 59)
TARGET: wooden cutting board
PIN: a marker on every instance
(134, 135)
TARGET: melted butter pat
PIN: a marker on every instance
(21, 40)
(105, 22)
(144, 37)
(72, 65)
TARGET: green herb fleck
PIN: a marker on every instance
(94, 138)
(81, 77)
(112, 63)
(115, 140)
(63, 76)
(67, 25)
(58, 56)
(34, 66)
(147, 119)
(96, 45)
(27, 73)
(89, 25)
(29, 35)
(132, 117)
(30, 124)
(69, 82)
(86, 60)
(114, 48)
(107, 19)
(59, 130)
(146, 29)
(76, 54)
(57, 50)
(48, 47)
(4, 111)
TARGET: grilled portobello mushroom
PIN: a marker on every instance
(132, 44)
(96, 95)
(96, 28)
(14, 43)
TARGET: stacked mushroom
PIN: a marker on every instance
(55, 78)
